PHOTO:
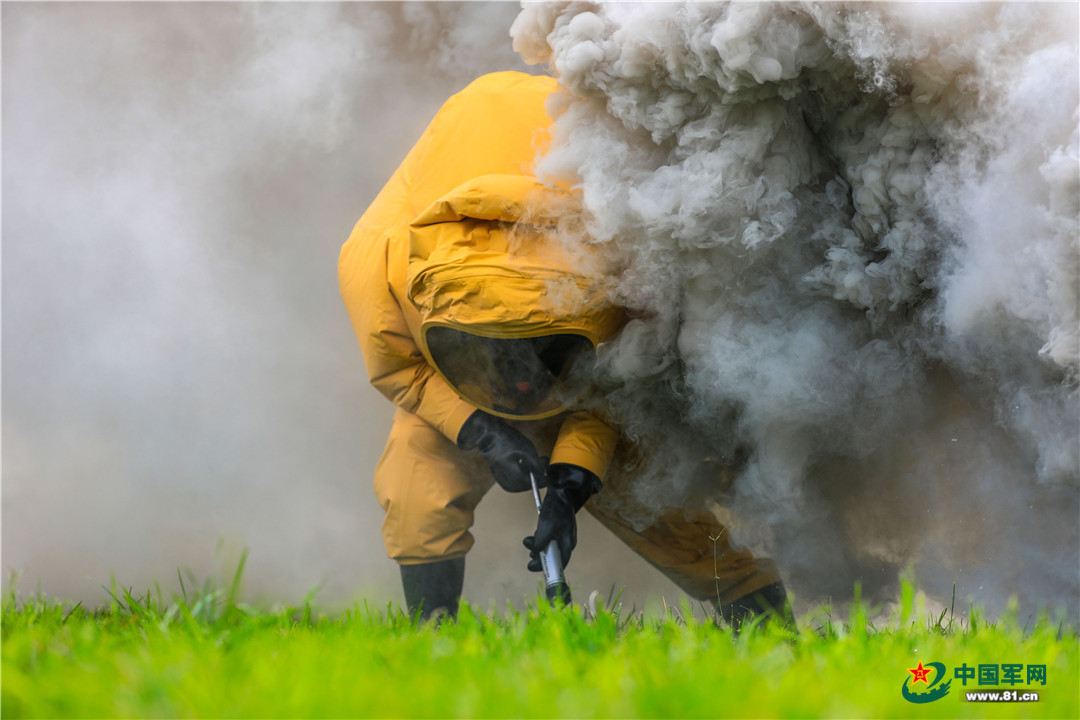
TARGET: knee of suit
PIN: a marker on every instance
(429, 490)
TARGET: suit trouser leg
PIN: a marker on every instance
(429, 490)
(692, 549)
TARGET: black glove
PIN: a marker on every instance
(569, 487)
(509, 454)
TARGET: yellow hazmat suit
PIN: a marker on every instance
(458, 240)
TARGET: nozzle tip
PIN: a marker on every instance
(558, 593)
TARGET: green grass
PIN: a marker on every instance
(204, 654)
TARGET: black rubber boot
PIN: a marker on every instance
(770, 601)
(432, 586)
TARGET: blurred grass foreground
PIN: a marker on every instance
(204, 654)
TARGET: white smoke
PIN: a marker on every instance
(848, 239)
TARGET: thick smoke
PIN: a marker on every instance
(847, 235)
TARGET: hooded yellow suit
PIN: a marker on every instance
(456, 240)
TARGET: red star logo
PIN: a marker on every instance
(920, 673)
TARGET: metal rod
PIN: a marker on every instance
(551, 560)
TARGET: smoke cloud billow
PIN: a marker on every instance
(847, 235)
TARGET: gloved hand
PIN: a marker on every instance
(509, 454)
(569, 487)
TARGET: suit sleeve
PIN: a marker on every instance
(395, 365)
(586, 441)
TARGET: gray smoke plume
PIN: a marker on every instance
(847, 235)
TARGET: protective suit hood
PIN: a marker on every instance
(485, 261)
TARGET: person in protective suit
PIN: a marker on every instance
(481, 331)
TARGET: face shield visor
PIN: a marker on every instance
(514, 377)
